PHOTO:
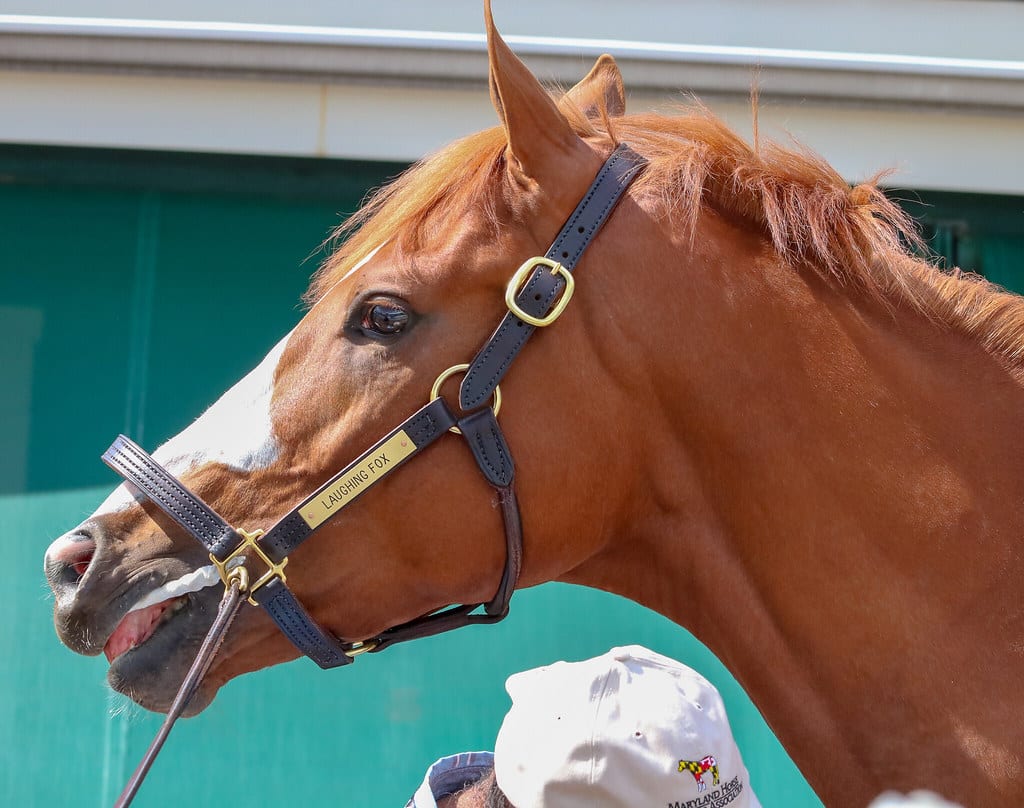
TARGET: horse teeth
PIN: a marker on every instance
(190, 582)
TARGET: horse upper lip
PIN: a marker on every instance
(90, 638)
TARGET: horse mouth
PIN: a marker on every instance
(155, 609)
(138, 626)
(155, 641)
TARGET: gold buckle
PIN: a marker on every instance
(241, 574)
(435, 391)
(522, 274)
(361, 648)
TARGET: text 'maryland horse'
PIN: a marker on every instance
(759, 415)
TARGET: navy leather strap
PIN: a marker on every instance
(132, 462)
(542, 289)
(487, 443)
(297, 625)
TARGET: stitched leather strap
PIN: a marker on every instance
(482, 434)
(297, 625)
(207, 526)
(487, 443)
(457, 616)
(543, 288)
(132, 462)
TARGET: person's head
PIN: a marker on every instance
(484, 793)
(630, 727)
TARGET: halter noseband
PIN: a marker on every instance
(536, 295)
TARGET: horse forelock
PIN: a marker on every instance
(853, 237)
(415, 208)
(420, 205)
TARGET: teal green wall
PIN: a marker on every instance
(134, 289)
(978, 233)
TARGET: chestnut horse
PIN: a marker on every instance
(759, 415)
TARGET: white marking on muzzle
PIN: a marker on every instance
(236, 431)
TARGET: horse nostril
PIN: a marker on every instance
(81, 565)
(71, 553)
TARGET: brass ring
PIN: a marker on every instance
(435, 391)
(239, 575)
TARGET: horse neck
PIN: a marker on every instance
(831, 499)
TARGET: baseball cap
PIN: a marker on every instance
(628, 728)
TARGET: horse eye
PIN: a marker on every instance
(384, 319)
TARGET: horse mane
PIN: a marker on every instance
(853, 237)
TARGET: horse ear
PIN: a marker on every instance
(539, 136)
(602, 88)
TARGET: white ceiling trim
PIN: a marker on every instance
(328, 54)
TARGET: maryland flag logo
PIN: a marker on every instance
(698, 768)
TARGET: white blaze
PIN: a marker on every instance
(236, 432)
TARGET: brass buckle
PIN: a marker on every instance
(435, 391)
(522, 274)
(361, 648)
(241, 574)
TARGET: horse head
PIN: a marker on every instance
(417, 288)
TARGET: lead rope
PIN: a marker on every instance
(226, 612)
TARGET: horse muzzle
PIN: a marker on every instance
(136, 611)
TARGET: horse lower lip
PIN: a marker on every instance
(137, 627)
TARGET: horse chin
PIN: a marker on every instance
(151, 673)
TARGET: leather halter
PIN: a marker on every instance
(536, 296)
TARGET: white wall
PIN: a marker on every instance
(989, 29)
(933, 89)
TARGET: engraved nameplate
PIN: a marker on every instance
(340, 490)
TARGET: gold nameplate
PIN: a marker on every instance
(372, 467)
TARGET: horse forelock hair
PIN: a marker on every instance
(414, 208)
(854, 237)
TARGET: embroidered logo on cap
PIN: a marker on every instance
(698, 768)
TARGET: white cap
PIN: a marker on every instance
(628, 728)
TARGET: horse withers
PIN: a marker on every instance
(759, 414)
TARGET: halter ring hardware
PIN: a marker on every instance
(435, 391)
(361, 648)
(250, 540)
(240, 575)
(520, 277)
